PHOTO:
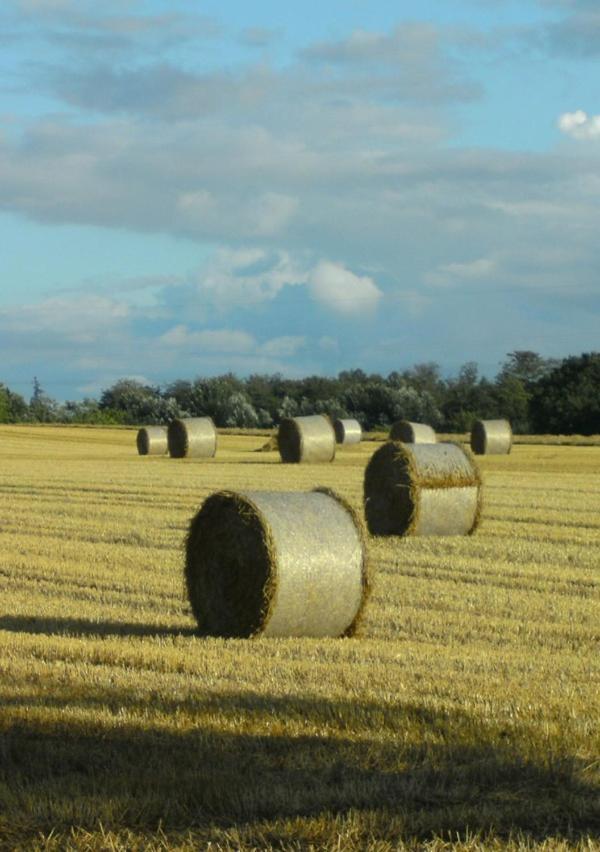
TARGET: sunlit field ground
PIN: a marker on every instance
(466, 713)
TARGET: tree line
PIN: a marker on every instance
(538, 395)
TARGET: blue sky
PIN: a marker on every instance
(190, 187)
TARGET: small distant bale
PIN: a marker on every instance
(412, 433)
(422, 489)
(276, 564)
(491, 437)
(347, 432)
(272, 445)
(306, 439)
(152, 441)
(194, 437)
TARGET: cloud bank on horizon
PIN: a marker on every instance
(304, 191)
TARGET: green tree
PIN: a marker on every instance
(4, 404)
(527, 366)
(567, 400)
(239, 411)
(136, 403)
(513, 397)
(89, 411)
(467, 398)
(42, 408)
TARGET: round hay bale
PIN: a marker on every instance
(272, 445)
(152, 441)
(422, 489)
(347, 431)
(491, 437)
(193, 437)
(276, 564)
(412, 433)
(306, 439)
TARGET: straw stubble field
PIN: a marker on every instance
(468, 707)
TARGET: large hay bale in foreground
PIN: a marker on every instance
(276, 564)
(347, 431)
(491, 437)
(194, 437)
(152, 441)
(422, 489)
(412, 433)
(306, 439)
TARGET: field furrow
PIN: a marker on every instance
(470, 700)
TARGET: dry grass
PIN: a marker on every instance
(465, 716)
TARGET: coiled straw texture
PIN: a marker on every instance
(306, 439)
(412, 433)
(347, 432)
(422, 489)
(152, 441)
(491, 437)
(276, 564)
(194, 437)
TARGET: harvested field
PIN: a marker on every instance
(464, 713)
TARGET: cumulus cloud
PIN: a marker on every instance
(343, 292)
(580, 125)
(231, 342)
(240, 278)
(78, 320)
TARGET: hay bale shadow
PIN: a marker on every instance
(126, 776)
(85, 627)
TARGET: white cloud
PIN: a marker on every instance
(452, 274)
(580, 125)
(231, 341)
(239, 278)
(217, 340)
(342, 291)
(283, 347)
(81, 320)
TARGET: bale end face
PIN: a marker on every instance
(388, 498)
(289, 441)
(229, 555)
(143, 444)
(178, 439)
